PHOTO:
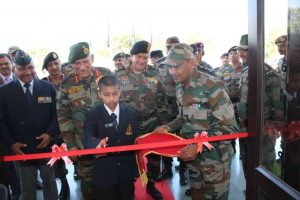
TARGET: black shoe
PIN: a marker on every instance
(155, 193)
(183, 180)
(188, 192)
(39, 185)
(64, 191)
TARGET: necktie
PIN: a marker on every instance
(114, 118)
(28, 93)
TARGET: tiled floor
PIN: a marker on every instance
(237, 183)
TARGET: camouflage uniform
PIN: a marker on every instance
(74, 98)
(205, 67)
(66, 69)
(172, 108)
(145, 93)
(219, 71)
(170, 88)
(204, 105)
(273, 111)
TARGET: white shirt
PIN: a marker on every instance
(24, 88)
(117, 111)
(7, 79)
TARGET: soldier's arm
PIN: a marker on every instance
(177, 123)
(243, 104)
(223, 119)
(277, 98)
(64, 117)
(162, 104)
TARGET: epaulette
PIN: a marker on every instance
(68, 77)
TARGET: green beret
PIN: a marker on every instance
(234, 48)
(22, 58)
(243, 42)
(156, 54)
(78, 51)
(119, 55)
(140, 47)
(49, 58)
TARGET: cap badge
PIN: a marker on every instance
(85, 50)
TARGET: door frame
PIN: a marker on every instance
(258, 177)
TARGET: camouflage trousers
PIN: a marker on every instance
(210, 173)
(268, 152)
(84, 169)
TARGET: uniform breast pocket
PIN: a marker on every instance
(79, 99)
(200, 114)
(196, 112)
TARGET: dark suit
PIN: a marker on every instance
(23, 122)
(114, 172)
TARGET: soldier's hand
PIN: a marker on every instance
(162, 129)
(188, 153)
(102, 144)
(45, 140)
(74, 158)
(16, 148)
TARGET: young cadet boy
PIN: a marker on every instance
(112, 124)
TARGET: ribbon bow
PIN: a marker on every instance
(56, 149)
(200, 144)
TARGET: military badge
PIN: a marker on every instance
(196, 106)
(129, 130)
(108, 125)
(82, 102)
(150, 82)
(85, 50)
(75, 89)
(54, 55)
(124, 80)
(44, 99)
(148, 47)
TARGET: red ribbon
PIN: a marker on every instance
(123, 148)
(200, 144)
(56, 149)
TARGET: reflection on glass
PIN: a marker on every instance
(280, 139)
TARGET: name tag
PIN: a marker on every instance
(109, 125)
(44, 99)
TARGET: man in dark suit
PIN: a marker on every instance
(112, 124)
(28, 108)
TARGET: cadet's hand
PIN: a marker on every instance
(102, 144)
(46, 139)
(16, 148)
(188, 153)
(162, 129)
